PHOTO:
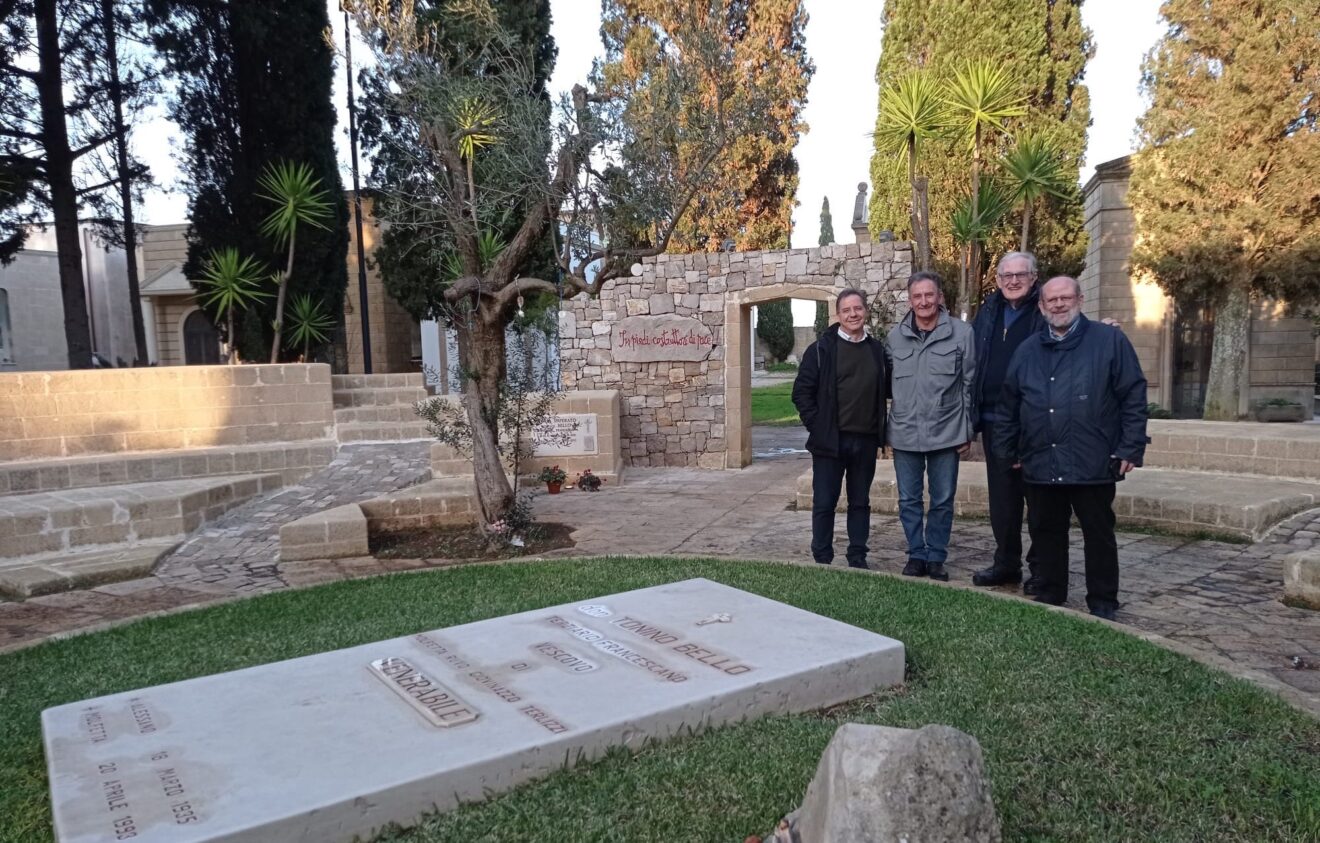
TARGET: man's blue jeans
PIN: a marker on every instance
(928, 542)
(856, 463)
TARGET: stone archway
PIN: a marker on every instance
(674, 340)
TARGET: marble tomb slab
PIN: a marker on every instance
(338, 745)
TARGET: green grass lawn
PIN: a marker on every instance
(1088, 733)
(774, 405)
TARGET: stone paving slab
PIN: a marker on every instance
(81, 570)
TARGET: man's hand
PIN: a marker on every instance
(1124, 466)
(1111, 322)
(964, 449)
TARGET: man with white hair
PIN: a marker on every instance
(1073, 406)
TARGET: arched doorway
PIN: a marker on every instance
(201, 343)
(739, 341)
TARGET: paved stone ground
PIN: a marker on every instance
(1217, 600)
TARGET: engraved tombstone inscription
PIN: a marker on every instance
(567, 434)
(339, 745)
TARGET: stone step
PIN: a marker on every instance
(1273, 450)
(392, 414)
(53, 573)
(381, 431)
(379, 397)
(292, 460)
(1184, 502)
(53, 522)
(384, 381)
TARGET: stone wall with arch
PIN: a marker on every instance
(676, 341)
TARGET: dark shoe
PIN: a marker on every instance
(861, 565)
(997, 575)
(1105, 613)
(1049, 599)
(935, 570)
(1032, 586)
(823, 561)
(915, 568)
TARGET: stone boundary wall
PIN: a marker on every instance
(45, 415)
(689, 406)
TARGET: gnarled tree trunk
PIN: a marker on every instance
(1228, 357)
(480, 336)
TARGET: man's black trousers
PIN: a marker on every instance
(1050, 511)
(855, 464)
(1007, 493)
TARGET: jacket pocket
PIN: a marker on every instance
(944, 362)
(904, 361)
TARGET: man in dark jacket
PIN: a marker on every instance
(840, 397)
(1074, 418)
(1007, 318)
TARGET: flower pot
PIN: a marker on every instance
(553, 488)
(1281, 413)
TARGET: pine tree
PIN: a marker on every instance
(1040, 43)
(51, 52)
(253, 85)
(749, 200)
(826, 238)
(1225, 188)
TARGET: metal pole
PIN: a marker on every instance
(357, 200)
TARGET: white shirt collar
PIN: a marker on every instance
(844, 335)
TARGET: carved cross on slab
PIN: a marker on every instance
(718, 617)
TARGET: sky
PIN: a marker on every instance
(843, 39)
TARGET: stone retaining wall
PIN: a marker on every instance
(676, 340)
(45, 415)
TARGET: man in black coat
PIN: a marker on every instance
(840, 397)
(1074, 419)
(1007, 318)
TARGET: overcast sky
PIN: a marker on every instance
(843, 39)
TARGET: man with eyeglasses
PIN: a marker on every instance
(1072, 416)
(1006, 319)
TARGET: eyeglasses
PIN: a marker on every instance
(1015, 276)
(1053, 300)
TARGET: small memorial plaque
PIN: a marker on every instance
(341, 745)
(570, 434)
(650, 339)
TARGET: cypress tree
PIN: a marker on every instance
(826, 238)
(749, 199)
(253, 83)
(1040, 43)
(774, 325)
(1225, 188)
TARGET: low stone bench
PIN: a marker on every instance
(1271, 450)
(1184, 502)
(333, 534)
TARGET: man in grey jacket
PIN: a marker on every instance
(933, 368)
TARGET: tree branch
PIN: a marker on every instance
(96, 144)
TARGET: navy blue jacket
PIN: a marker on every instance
(1029, 323)
(1072, 407)
(816, 393)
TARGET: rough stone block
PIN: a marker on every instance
(1301, 579)
(879, 783)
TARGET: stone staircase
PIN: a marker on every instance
(65, 538)
(378, 408)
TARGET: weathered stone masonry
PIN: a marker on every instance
(680, 411)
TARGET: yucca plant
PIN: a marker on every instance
(308, 323)
(299, 200)
(489, 246)
(232, 281)
(981, 96)
(974, 218)
(475, 121)
(1034, 169)
(913, 110)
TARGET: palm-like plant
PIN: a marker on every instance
(913, 110)
(1034, 170)
(981, 96)
(232, 281)
(299, 200)
(308, 323)
(975, 217)
(475, 121)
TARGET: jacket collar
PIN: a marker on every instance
(1070, 340)
(942, 328)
